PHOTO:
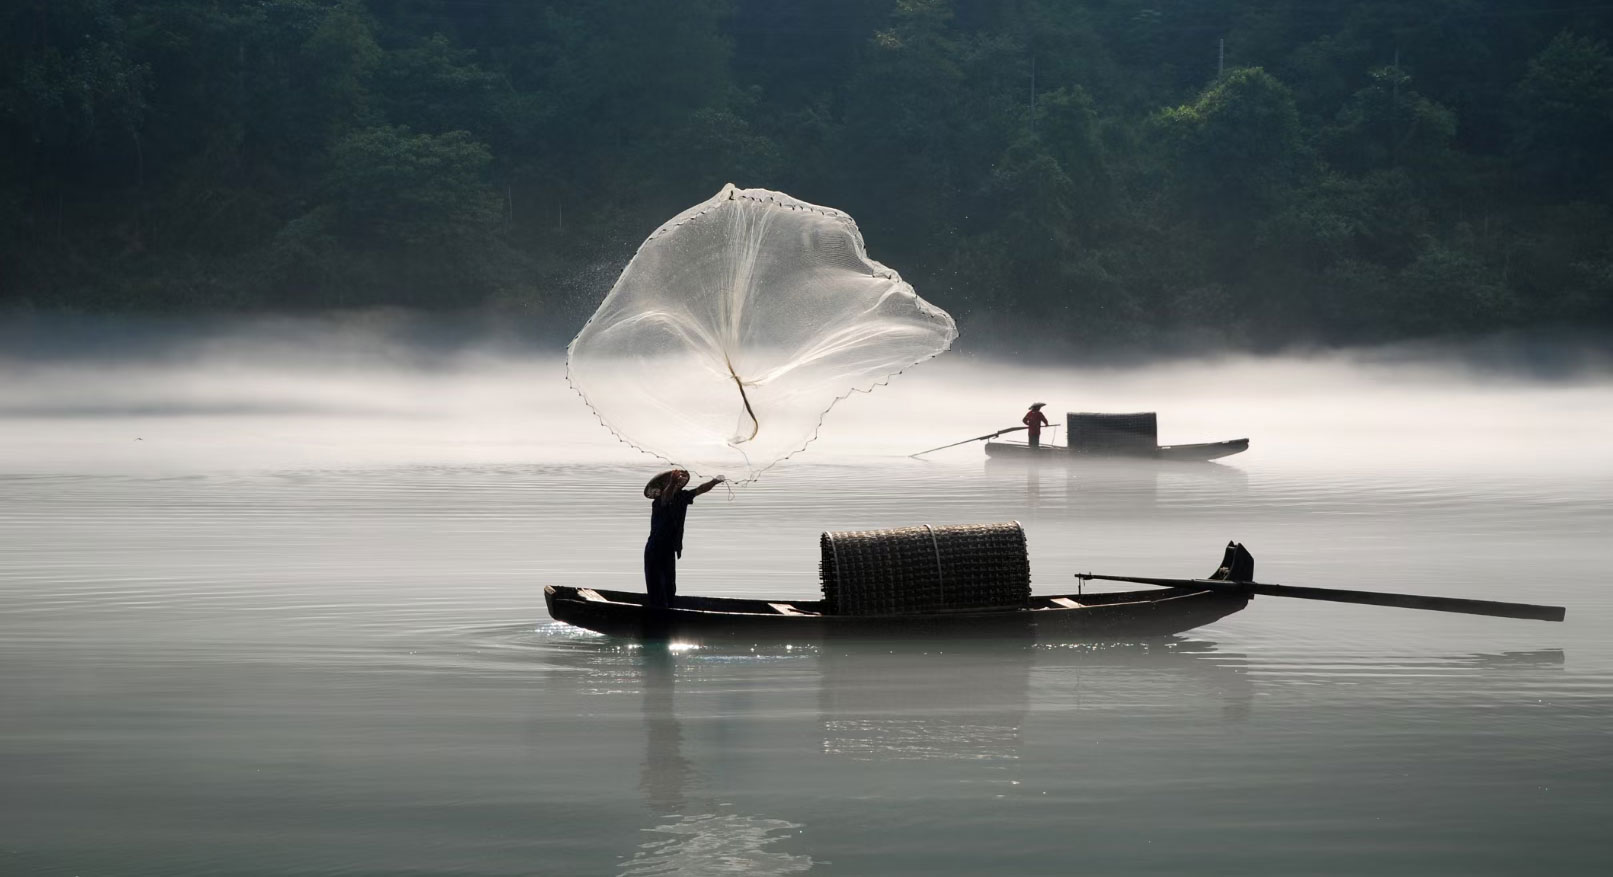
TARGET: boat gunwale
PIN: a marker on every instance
(1067, 450)
(1193, 453)
(557, 592)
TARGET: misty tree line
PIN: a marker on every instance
(1112, 171)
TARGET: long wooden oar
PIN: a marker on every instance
(978, 438)
(1373, 598)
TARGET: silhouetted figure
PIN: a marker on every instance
(1034, 420)
(669, 505)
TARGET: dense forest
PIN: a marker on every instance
(1114, 171)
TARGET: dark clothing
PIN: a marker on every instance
(666, 523)
(1034, 421)
(664, 547)
(660, 577)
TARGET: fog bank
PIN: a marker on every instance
(387, 389)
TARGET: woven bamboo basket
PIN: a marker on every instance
(925, 569)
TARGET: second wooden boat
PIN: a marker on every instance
(1124, 436)
(1194, 453)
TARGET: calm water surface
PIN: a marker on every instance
(310, 639)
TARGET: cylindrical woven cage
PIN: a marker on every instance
(1112, 433)
(924, 569)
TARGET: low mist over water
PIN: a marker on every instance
(380, 392)
(271, 602)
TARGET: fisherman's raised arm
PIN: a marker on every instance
(708, 485)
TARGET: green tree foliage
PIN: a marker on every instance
(339, 58)
(1079, 173)
(391, 188)
(1236, 151)
(1387, 124)
(1565, 113)
(413, 210)
(435, 86)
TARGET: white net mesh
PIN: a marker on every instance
(739, 324)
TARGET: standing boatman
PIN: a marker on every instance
(1034, 420)
(669, 505)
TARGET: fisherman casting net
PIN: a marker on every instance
(738, 325)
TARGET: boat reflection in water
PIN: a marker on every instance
(666, 774)
(697, 835)
(940, 701)
(971, 702)
(780, 759)
(1536, 659)
(1111, 487)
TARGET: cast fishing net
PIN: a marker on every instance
(739, 324)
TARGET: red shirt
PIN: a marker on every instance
(1035, 420)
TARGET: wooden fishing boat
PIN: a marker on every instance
(1126, 616)
(1194, 453)
(967, 581)
(1117, 617)
(1104, 436)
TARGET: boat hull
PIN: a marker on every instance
(1114, 617)
(1196, 453)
